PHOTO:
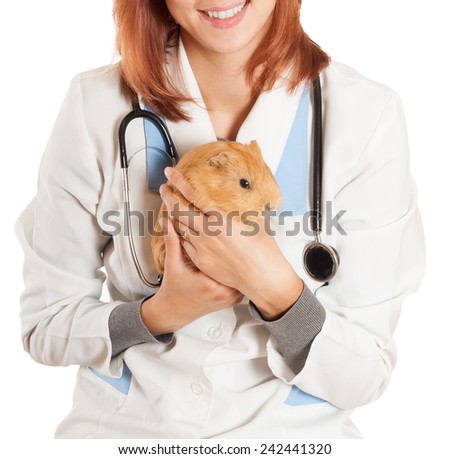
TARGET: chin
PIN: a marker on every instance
(230, 46)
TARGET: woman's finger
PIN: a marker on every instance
(189, 248)
(180, 183)
(187, 216)
(172, 243)
(178, 180)
(185, 231)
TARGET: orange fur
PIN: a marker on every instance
(215, 170)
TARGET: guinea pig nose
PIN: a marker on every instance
(245, 183)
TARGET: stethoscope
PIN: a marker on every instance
(320, 260)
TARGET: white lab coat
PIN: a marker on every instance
(223, 375)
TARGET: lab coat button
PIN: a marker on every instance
(215, 332)
(197, 388)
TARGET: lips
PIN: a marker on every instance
(226, 14)
(226, 17)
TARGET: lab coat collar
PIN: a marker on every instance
(189, 134)
(269, 122)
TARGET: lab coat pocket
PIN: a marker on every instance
(121, 411)
(96, 398)
(297, 397)
(116, 388)
(304, 416)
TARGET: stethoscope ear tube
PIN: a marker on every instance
(139, 113)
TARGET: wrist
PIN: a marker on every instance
(157, 316)
(279, 296)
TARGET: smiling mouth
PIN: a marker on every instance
(226, 14)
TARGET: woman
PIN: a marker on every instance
(248, 345)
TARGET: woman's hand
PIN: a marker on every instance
(185, 293)
(246, 258)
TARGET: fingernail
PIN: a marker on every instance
(168, 172)
(161, 189)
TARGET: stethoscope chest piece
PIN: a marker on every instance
(321, 261)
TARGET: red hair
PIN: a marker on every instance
(145, 30)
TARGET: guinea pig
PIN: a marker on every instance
(226, 175)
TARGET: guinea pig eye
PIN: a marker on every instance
(244, 183)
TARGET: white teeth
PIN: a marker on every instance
(226, 14)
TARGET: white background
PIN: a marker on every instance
(401, 43)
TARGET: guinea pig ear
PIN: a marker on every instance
(219, 160)
(254, 148)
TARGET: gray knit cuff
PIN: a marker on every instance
(295, 331)
(127, 329)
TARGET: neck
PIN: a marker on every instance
(207, 61)
(222, 82)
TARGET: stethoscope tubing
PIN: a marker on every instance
(156, 120)
(317, 136)
(137, 112)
